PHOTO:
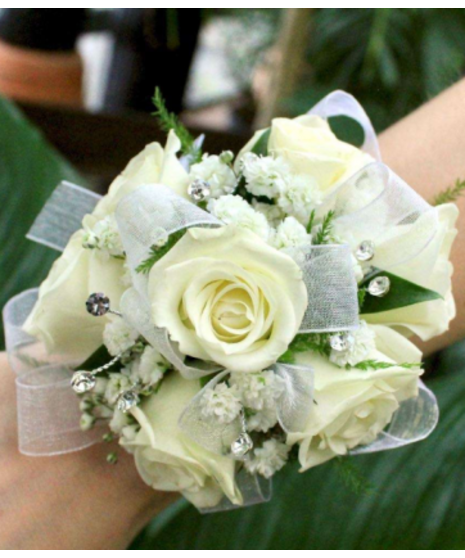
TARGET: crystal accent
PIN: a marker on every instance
(98, 305)
(380, 287)
(242, 446)
(366, 251)
(199, 190)
(341, 342)
(127, 401)
(83, 382)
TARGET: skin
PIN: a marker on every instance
(78, 502)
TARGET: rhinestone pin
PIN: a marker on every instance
(242, 446)
(379, 287)
(127, 401)
(199, 190)
(341, 342)
(83, 382)
(98, 305)
(366, 251)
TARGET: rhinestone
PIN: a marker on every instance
(98, 305)
(341, 342)
(83, 382)
(366, 251)
(242, 446)
(127, 401)
(199, 190)
(380, 287)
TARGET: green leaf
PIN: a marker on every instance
(403, 293)
(418, 501)
(30, 170)
(261, 147)
(157, 253)
(450, 195)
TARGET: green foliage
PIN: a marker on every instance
(30, 170)
(307, 342)
(324, 234)
(451, 195)
(368, 365)
(311, 222)
(158, 252)
(169, 121)
(391, 59)
(261, 147)
(418, 502)
(353, 479)
(403, 293)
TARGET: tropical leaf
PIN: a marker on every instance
(417, 502)
(403, 293)
(30, 170)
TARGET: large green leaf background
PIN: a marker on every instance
(29, 171)
(418, 501)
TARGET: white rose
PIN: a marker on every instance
(226, 296)
(59, 318)
(167, 460)
(309, 147)
(431, 269)
(353, 407)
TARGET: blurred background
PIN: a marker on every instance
(75, 103)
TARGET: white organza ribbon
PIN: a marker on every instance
(415, 420)
(48, 409)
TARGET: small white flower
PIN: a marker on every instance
(150, 368)
(269, 459)
(119, 336)
(221, 403)
(258, 391)
(273, 213)
(234, 210)
(263, 421)
(105, 237)
(119, 422)
(358, 269)
(117, 384)
(264, 176)
(299, 196)
(290, 234)
(217, 172)
(361, 348)
(87, 422)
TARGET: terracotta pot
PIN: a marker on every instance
(40, 76)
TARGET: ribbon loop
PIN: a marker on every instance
(341, 103)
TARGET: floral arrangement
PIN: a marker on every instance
(222, 316)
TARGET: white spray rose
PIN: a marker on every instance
(226, 296)
(310, 148)
(353, 407)
(60, 319)
(431, 269)
(167, 460)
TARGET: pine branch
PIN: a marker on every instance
(311, 222)
(450, 195)
(169, 121)
(324, 234)
(157, 253)
(352, 477)
(368, 365)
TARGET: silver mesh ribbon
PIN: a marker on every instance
(415, 421)
(62, 215)
(340, 103)
(48, 409)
